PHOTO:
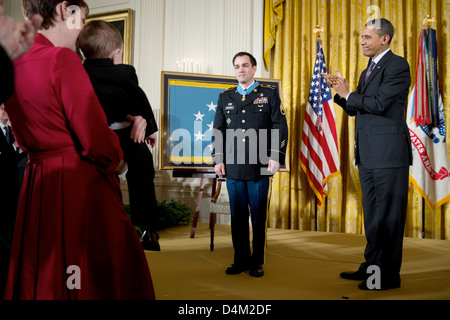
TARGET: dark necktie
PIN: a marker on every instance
(369, 70)
(6, 134)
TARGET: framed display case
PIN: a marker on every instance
(189, 103)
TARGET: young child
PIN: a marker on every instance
(126, 106)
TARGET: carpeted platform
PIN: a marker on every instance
(299, 266)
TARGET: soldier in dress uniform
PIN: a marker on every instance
(250, 142)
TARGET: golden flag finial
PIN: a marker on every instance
(428, 22)
(318, 30)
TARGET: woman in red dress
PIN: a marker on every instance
(72, 238)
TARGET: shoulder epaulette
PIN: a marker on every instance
(229, 89)
(267, 86)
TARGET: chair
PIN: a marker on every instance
(216, 207)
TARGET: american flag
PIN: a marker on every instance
(319, 150)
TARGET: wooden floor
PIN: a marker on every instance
(299, 266)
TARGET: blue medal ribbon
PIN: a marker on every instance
(249, 89)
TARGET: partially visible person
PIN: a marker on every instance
(124, 102)
(21, 165)
(9, 173)
(72, 238)
(15, 40)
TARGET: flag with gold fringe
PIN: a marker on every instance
(430, 172)
(273, 15)
(319, 157)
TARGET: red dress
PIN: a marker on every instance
(72, 238)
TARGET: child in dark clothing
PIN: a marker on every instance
(129, 114)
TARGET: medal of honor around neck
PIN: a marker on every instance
(246, 92)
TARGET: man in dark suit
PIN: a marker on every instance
(250, 141)
(383, 151)
(9, 186)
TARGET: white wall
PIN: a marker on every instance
(167, 31)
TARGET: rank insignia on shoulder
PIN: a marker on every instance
(229, 89)
(267, 86)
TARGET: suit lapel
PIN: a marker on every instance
(378, 67)
(235, 96)
(12, 138)
(251, 97)
(4, 146)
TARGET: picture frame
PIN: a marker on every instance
(122, 20)
(185, 96)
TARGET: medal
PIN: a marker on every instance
(243, 98)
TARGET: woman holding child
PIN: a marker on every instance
(72, 238)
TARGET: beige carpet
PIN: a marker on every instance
(299, 266)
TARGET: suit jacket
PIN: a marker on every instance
(117, 88)
(249, 133)
(9, 184)
(7, 76)
(9, 157)
(382, 136)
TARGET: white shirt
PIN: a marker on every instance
(245, 89)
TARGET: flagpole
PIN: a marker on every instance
(423, 218)
(317, 31)
(427, 23)
(315, 214)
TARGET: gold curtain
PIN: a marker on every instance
(292, 203)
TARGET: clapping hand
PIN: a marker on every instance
(338, 83)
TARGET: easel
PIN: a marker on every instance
(202, 174)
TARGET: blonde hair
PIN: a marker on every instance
(99, 39)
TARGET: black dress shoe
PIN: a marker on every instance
(150, 241)
(355, 275)
(257, 271)
(235, 269)
(386, 285)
